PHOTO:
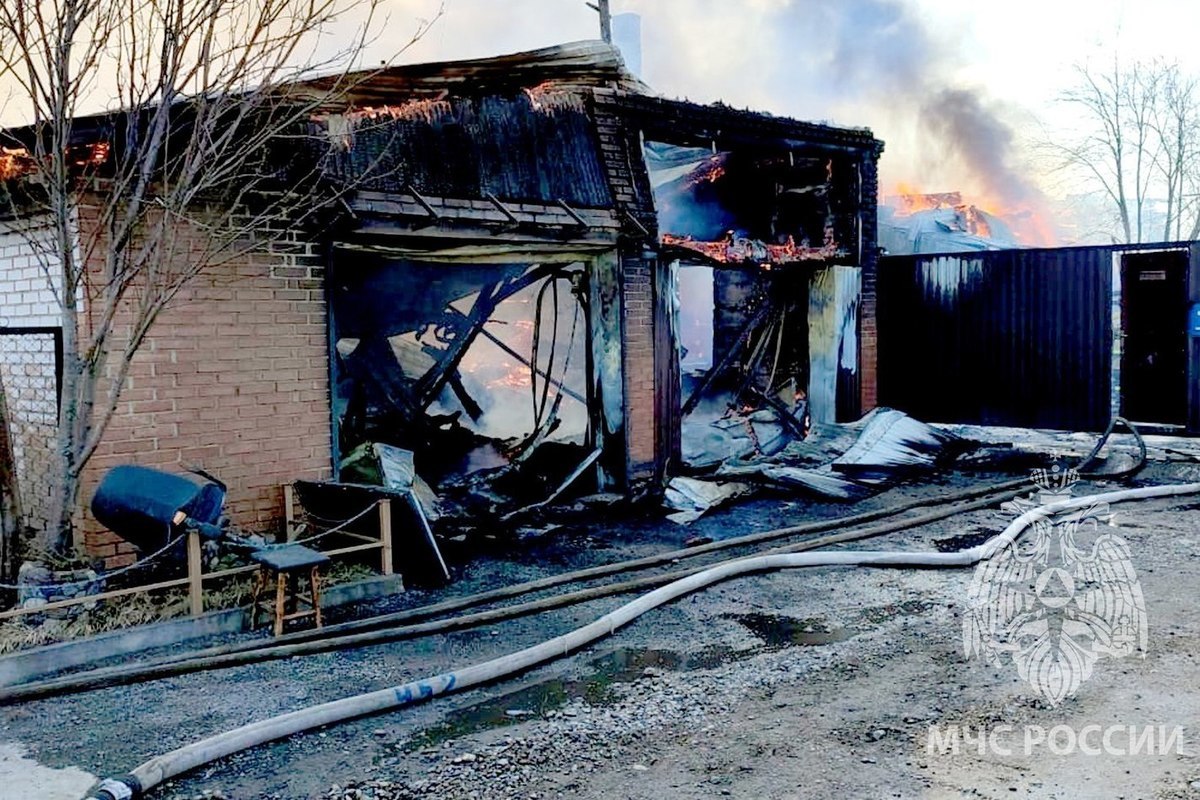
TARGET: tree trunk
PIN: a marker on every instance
(10, 517)
(60, 536)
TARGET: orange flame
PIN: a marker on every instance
(14, 162)
(710, 175)
(550, 96)
(1029, 226)
(739, 249)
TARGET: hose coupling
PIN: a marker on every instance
(124, 788)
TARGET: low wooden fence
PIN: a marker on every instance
(196, 577)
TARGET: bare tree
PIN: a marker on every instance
(1137, 142)
(187, 172)
(1112, 147)
(9, 505)
(1177, 127)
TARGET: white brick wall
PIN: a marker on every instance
(26, 296)
(28, 369)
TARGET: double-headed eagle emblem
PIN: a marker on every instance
(1057, 599)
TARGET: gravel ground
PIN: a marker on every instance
(810, 683)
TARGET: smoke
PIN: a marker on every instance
(900, 67)
(982, 142)
(873, 63)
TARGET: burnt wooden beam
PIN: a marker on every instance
(503, 209)
(490, 296)
(786, 415)
(431, 383)
(422, 202)
(464, 397)
(724, 363)
(573, 214)
(636, 223)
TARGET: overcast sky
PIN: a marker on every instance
(957, 89)
(933, 78)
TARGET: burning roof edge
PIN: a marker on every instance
(673, 119)
(575, 65)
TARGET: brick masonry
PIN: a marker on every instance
(28, 364)
(868, 336)
(638, 344)
(620, 147)
(233, 378)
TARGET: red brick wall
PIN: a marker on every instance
(869, 261)
(620, 149)
(638, 346)
(233, 378)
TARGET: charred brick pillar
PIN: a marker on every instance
(868, 250)
(637, 337)
(645, 341)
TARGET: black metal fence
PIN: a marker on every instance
(1009, 337)
(31, 362)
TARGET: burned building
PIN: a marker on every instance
(544, 275)
(555, 255)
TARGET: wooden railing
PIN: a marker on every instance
(197, 577)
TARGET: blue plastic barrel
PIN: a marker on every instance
(139, 504)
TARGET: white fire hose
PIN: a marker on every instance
(188, 757)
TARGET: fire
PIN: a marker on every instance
(424, 109)
(710, 174)
(14, 162)
(517, 377)
(551, 96)
(910, 200)
(735, 249)
(975, 215)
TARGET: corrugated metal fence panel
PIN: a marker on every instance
(1007, 337)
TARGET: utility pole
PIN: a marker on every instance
(601, 7)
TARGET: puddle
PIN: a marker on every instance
(780, 631)
(623, 665)
(951, 544)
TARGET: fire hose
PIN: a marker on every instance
(183, 759)
(358, 633)
(341, 636)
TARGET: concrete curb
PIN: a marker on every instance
(38, 662)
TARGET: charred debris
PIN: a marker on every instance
(556, 289)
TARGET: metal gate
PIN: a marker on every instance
(1006, 337)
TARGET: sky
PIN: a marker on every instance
(962, 93)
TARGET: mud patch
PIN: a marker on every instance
(952, 544)
(777, 630)
(622, 665)
(780, 631)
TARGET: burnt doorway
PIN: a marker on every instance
(1154, 356)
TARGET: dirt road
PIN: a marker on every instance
(819, 683)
